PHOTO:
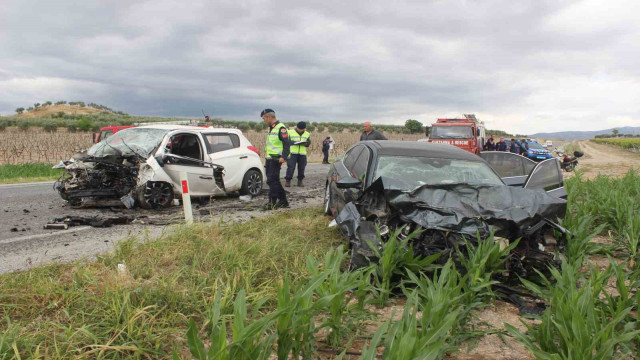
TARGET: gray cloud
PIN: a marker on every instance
(521, 66)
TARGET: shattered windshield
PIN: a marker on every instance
(416, 171)
(451, 132)
(135, 141)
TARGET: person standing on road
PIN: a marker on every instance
(490, 145)
(300, 141)
(277, 152)
(501, 145)
(515, 146)
(370, 134)
(326, 145)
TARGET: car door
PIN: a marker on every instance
(343, 170)
(185, 152)
(512, 168)
(547, 175)
(224, 150)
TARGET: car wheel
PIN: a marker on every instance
(155, 194)
(570, 167)
(251, 183)
(327, 200)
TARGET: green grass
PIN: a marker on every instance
(89, 309)
(13, 174)
(277, 286)
(625, 143)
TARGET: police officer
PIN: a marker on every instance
(299, 139)
(277, 151)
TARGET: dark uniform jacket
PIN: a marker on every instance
(373, 135)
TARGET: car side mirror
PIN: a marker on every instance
(348, 183)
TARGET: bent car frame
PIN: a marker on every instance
(447, 196)
(142, 166)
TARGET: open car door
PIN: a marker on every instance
(547, 175)
(514, 169)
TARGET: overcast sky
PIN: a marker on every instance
(521, 66)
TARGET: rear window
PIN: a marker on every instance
(221, 141)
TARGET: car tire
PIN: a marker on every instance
(155, 195)
(326, 204)
(570, 167)
(251, 183)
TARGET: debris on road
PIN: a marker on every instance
(94, 221)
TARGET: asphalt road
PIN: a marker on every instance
(26, 208)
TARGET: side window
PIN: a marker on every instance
(352, 157)
(546, 176)
(221, 142)
(105, 134)
(361, 164)
(186, 145)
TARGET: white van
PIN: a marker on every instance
(549, 144)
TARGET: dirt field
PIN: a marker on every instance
(605, 159)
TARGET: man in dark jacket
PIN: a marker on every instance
(515, 146)
(490, 145)
(370, 134)
(501, 145)
(326, 145)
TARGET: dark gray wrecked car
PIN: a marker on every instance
(451, 196)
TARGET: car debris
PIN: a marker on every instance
(447, 198)
(446, 217)
(65, 222)
(141, 166)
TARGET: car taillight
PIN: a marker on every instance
(254, 149)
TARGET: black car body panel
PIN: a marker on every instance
(448, 214)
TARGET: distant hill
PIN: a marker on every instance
(45, 111)
(583, 135)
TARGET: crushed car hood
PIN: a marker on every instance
(464, 208)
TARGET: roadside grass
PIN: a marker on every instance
(14, 174)
(91, 309)
(277, 286)
(569, 148)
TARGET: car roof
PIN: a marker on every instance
(189, 127)
(424, 149)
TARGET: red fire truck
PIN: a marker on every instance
(467, 134)
(107, 131)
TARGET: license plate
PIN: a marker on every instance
(541, 157)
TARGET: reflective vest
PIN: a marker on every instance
(274, 145)
(294, 137)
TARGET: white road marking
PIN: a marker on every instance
(40, 236)
(26, 184)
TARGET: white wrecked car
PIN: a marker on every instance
(142, 165)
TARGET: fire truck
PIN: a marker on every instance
(467, 134)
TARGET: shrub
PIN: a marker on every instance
(2, 127)
(20, 110)
(24, 126)
(85, 124)
(72, 128)
(50, 128)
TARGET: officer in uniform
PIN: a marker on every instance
(277, 151)
(299, 139)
